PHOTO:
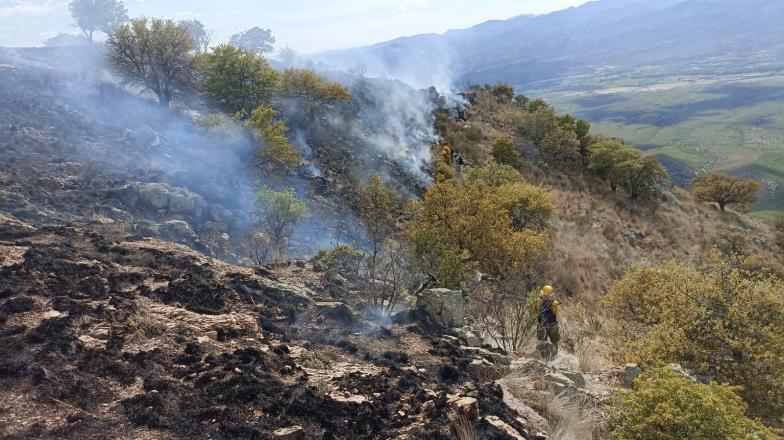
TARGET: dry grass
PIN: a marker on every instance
(143, 323)
(571, 417)
(462, 429)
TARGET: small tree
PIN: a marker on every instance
(155, 54)
(378, 211)
(237, 80)
(200, 37)
(626, 168)
(725, 190)
(278, 212)
(276, 147)
(97, 15)
(505, 153)
(665, 405)
(537, 124)
(256, 40)
(562, 145)
(311, 87)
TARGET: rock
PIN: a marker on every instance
(506, 428)
(177, 231)
(469, 337)
(496, 358)
(242, 221)
(100, 333)
(523, 367)
(484, 369)
(221, 215)
(691, 375)
(144, 136)
(630, 373)
(154, 195)
(128, 195)
(468, 406)
(444, 307)
(335, 311)
(290, 433)
(53, 314)
(181, 203)
(557, 382)
(213, 334)
(575, 377)
(546, 350)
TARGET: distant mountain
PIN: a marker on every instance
(605, 38)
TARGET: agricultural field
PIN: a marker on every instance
(733, 124)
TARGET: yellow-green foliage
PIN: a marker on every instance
(562, 145)
(379, 209)
(314, 88)
(236, 80)
(667, 406)
(277, 148)
(721, 323)
(459, 226)
(537, 122)
(726, 190)
(626, 168)
(505, 153)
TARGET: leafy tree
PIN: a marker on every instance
(625, 167)
(720, 323)
(537, 124)
(278, 212)
(287, 57)
(502, 92)
(725, 190)
(200, 37)
(98, 15)
(521, 101)
(562, 145)
(276, 147)
(529, 206)
(460, 226)
(378, 211)
(665, 405)
(505, 153)
(236, 79)
(155, 54)
(256, 40)
(311, 87)
(495, 175)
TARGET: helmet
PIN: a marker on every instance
(547, 290)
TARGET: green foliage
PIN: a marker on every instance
(155, 54)
(667, 406)
(720, 323)
(342, 259)
(278, 212)
(459, 226)
(276, 147)
(562, 145)
(235, 79)
(726, 190)
(97, 15)
(462, 137)
(538, 122)
(378, 211)
(521, 102)
(626, 168)
(495, 175)
(313, 88)
(505, 153)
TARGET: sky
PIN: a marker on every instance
(307, 26)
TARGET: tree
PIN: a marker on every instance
(665, 405)
(98, 15)
(720, 323)
(314, 89)
(200, 37)
(278, 212)
(61, 40)
(562, 145)
(287, 57)
(378, 211)
(725, 190)
(235, 79)
(505, 153)
(461, 226)
(536, 124)
(256, 40)
(155, 54)
(276, 147)
(625, 167)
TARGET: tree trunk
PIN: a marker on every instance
(722, 206)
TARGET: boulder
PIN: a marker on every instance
(177, 231)
(221, 215)
(557, 382)
(144, 136)
(484, 369)
(444, 307)
(290, 433)
(128, 195)
(630, 373)
(575, 377)
(495, 358)
(154, 195)
(335, 311)
(467, 406)
(469, 337)
(181, 203)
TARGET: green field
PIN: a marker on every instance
(734, 125)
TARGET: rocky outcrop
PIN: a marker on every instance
(444, 307)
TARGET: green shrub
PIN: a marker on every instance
(668, 406)
(505, 153)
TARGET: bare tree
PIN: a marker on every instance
(201, 37)
(98, 15)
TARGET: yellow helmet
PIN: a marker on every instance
(547, 290)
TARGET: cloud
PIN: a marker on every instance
(29, 8)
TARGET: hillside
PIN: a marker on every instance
(694, 80)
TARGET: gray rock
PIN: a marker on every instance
(242, 221)
(154, 195)
(144, 136)
(576, 377)
(290, 433)
(221, 215)
(484, 369)
(444, 307)
(496, 358)
(181, 203)
(557, 382)
(630, 373)
(178, 231)
(128, 195)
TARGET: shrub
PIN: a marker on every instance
(665, 405)
(278, 212)
(626, 168)
(378, 211)
(718, 323)
(311, 87)
(143, 323)
(536, 124)
(726, 190)
(505, 153)
(562, 145)
(276, 147)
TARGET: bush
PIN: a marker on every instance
(311, 87)
(719, 323)
(278, 212)
(626, 168)
(536, 124)
(667, 406)
(505, 153)
(276, 147)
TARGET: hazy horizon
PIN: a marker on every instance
(304, 25)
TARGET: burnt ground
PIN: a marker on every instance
(145, 339)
